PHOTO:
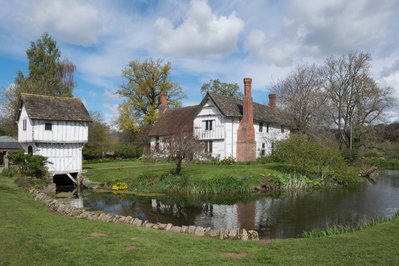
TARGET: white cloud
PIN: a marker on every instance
(71, 21)
(110, 112)
(111, 95)
(338, 26)
(202, 33)
(265, 49)
(204, 40)
(77, 22)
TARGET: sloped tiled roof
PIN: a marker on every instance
(9, 143)
(232, 107)
(54, 108)
(174, 121)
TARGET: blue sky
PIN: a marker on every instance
(203, 40)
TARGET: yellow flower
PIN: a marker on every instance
(119, 186)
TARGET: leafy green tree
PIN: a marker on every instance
(48, 75)
(223, 88)
(100, 138)
(142, 93)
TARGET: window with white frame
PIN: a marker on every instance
(24, 123)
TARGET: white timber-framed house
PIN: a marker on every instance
(56, 128)
(227, 126)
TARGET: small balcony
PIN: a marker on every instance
(216, 133)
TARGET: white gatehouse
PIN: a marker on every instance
(56, 128)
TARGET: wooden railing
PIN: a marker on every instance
(216, 133)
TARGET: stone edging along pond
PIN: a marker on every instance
(59, 207)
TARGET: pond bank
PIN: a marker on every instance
(203, 178)
(40, 237)
(273, 215)
(58, 207)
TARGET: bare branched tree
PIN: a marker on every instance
(179, 147)
(354, 98)
(302, 96)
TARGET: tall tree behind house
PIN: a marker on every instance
(48, 75)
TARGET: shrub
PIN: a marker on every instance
(349, 155)
(30, 165)
(311, 158)
(227, 161)
(128, 151)
(10, 172)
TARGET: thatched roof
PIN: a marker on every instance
(43, 107)
(174, 121)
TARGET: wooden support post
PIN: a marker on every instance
(79, 181)
(71, 177)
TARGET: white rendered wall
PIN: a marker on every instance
(24, 135)
(63, 157)
(61, 131)
(218, 133)
(209, 112)
(62, 145)
(268, 138)
(231, 125)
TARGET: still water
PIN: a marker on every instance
(272, 215)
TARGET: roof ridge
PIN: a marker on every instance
(188, 106)
(51, 96)
(237, 99)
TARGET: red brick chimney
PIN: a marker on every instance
(246, 146)
(164, 103)
(272, 101)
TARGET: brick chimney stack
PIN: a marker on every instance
(272, 101)
(246, 146)
(164, 103)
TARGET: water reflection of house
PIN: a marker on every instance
(175, 212)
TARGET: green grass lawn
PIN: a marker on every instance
(392, 164)
(156, 177)
(130, 169)
(30, 235)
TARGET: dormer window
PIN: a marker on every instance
(48, 126)
(260, 127)
(24, 122)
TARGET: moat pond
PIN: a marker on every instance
(273, 215)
